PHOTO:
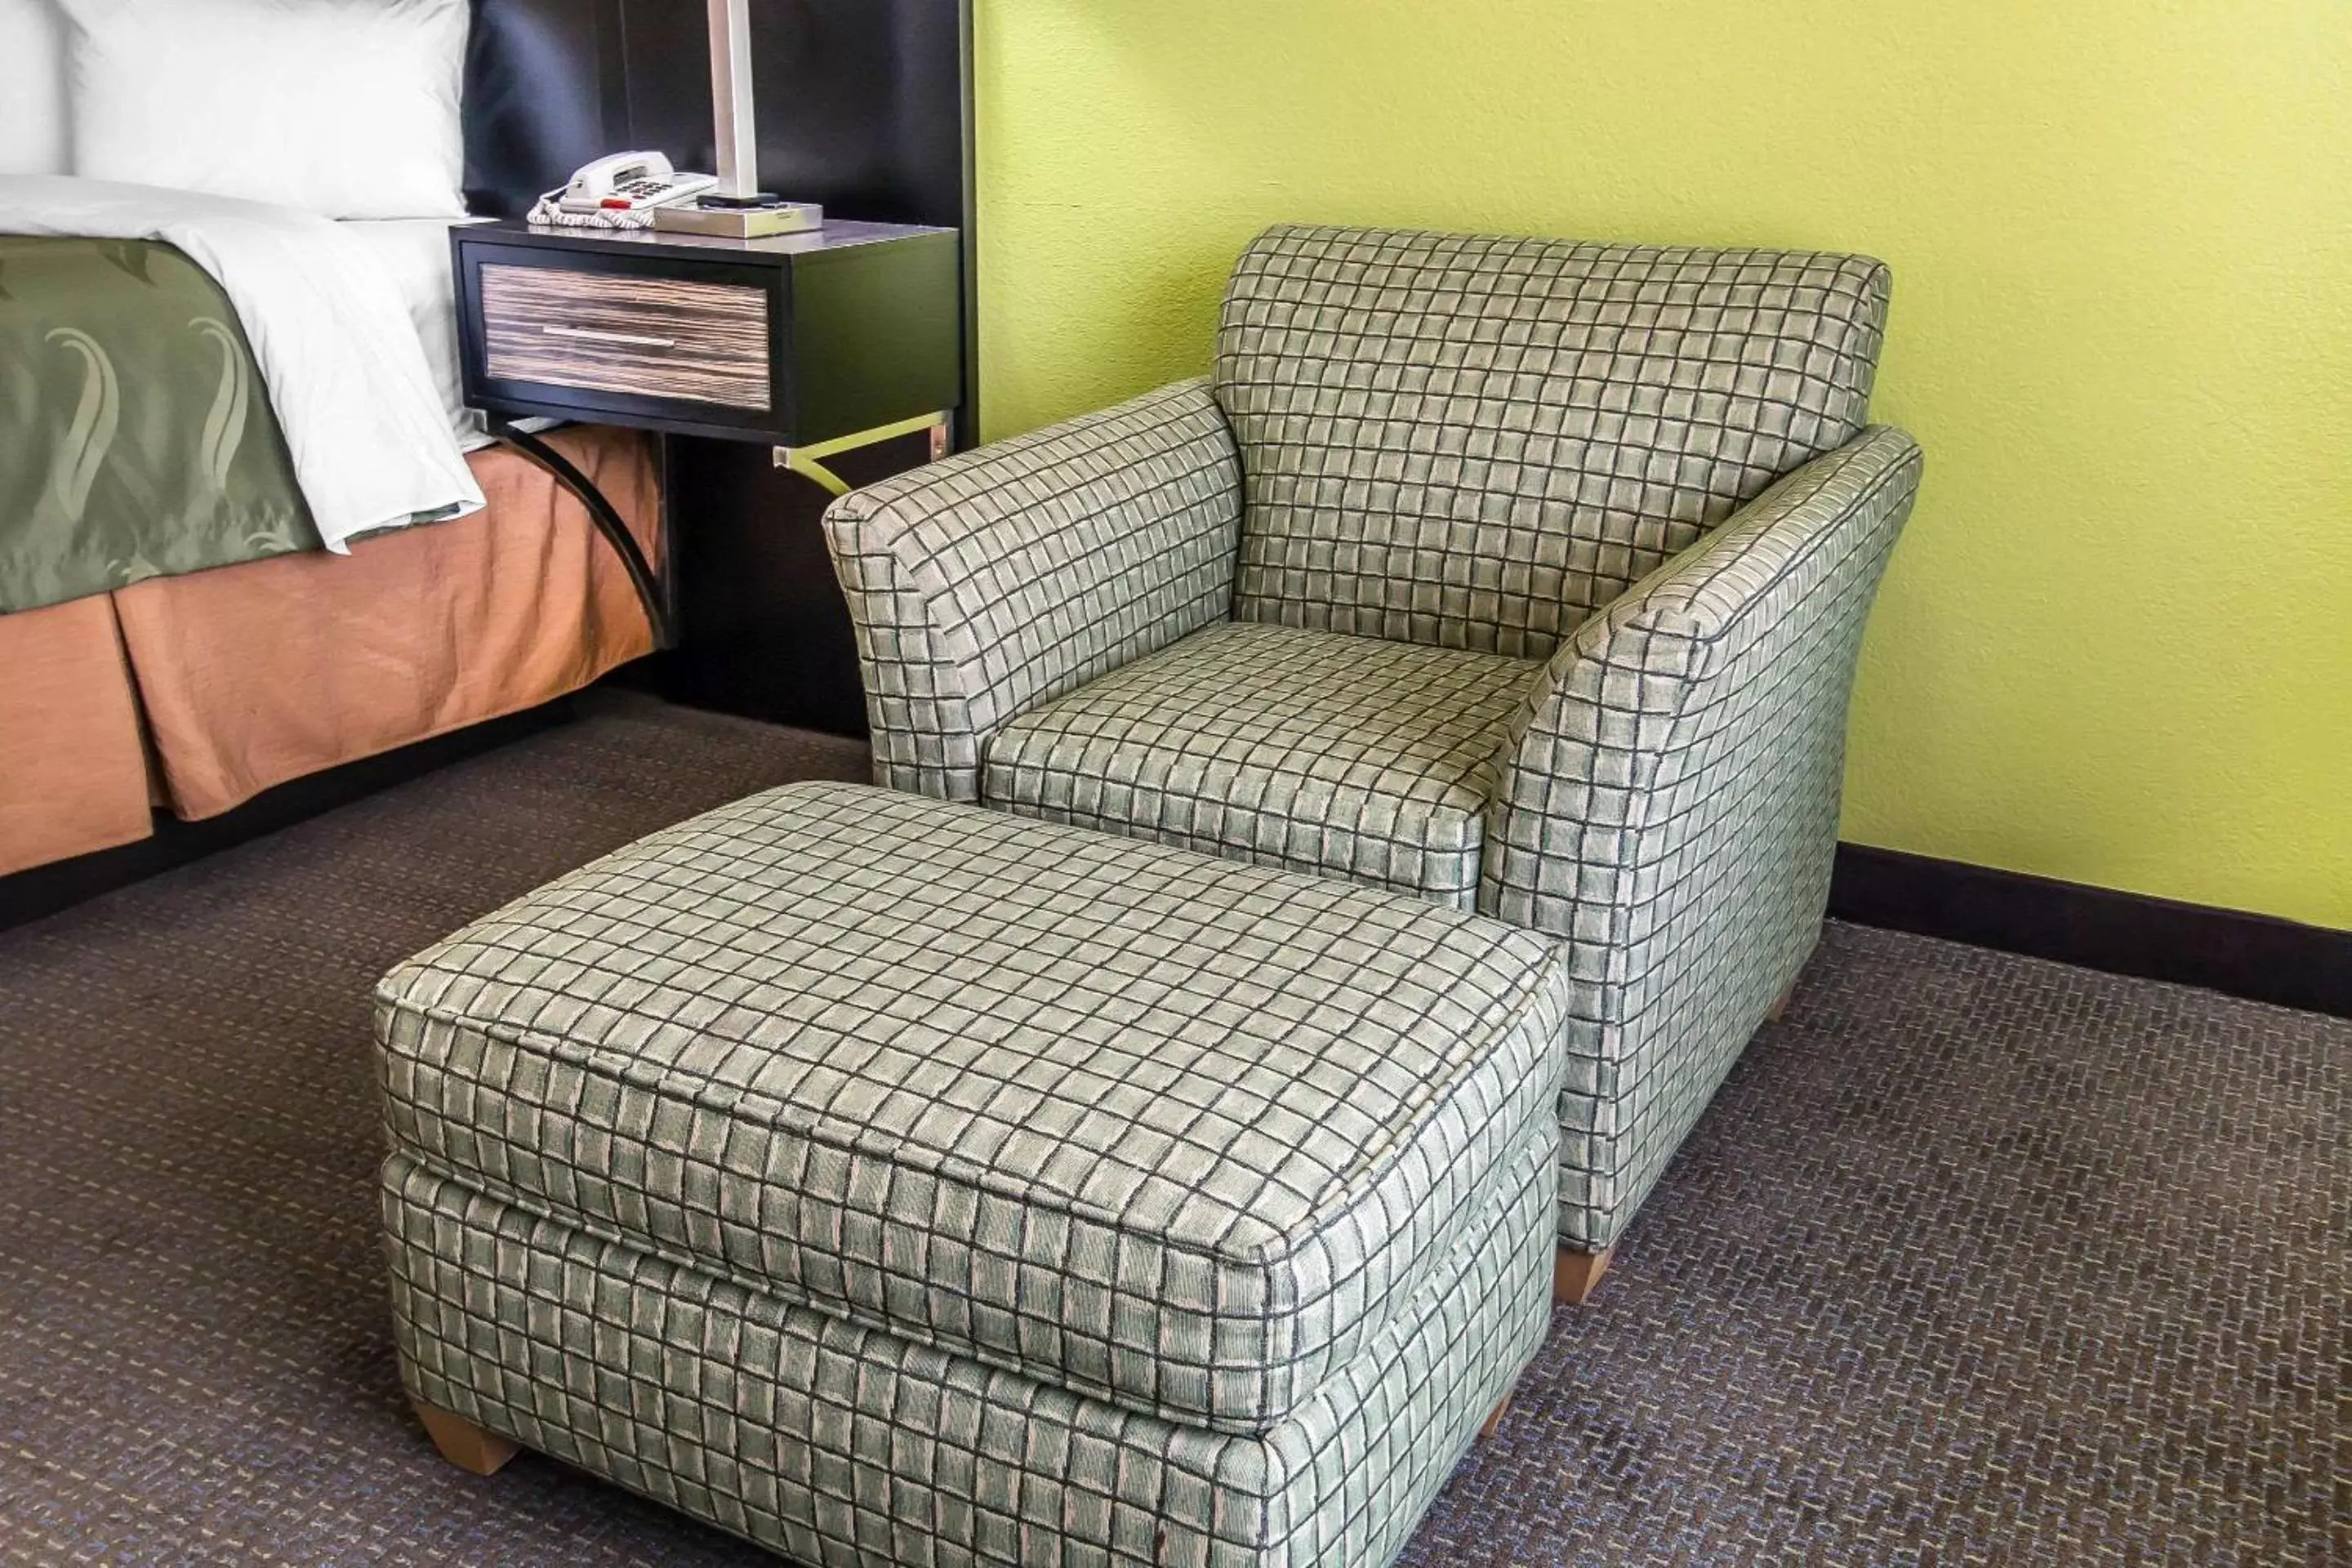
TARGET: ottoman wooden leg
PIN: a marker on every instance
(462, 1443)
(1493, 1419)
(1574, 1274)
(1779, 1009)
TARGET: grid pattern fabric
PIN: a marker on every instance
(1524, 449)
(1671, 803)
(1000, 578)
(1475, 442)
(1342, 755)
(843, 1445)
(1180, 1133)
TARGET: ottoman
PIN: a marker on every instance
(892, 1180)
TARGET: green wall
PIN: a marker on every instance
(2115, 645)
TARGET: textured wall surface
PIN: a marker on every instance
(2117, 645)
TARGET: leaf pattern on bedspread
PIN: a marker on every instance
(129, 255)
(91, 433)
(225, 425)
(136, 438)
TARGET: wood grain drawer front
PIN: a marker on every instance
(650, 337)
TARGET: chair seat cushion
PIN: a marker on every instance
(1341, 755)
(1177, 1132)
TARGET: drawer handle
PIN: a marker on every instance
(632, 339)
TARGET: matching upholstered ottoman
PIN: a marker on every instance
(889, 1180)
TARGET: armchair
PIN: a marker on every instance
(1522, 576)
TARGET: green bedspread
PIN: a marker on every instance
(136, 438)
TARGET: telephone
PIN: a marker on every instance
(630, 182)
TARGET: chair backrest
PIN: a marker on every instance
(1475, 442)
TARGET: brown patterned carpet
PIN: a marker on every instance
(1976, 1259)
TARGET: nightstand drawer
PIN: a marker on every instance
(787, 342)
(647, 337)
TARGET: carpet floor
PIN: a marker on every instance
(1975, 1260)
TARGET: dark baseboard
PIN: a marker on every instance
(2254, 956)
(46, 890)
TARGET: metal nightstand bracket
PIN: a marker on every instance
(652, 586)
(652, 591)
(809, 461)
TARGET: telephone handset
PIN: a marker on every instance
(631, 181)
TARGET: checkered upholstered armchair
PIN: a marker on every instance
(1517, 575)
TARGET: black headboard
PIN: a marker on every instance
(864, 105)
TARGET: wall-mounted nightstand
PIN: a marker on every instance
(810, 344)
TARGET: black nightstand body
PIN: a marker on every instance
(861, 320)
(861, 327)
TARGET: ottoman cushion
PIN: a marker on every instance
(1182, 1134)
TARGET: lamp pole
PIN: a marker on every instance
(737, 208)
(730, 99)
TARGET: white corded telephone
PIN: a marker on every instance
(631, 181)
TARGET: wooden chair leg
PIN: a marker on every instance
(1779, 1009)
(1574, 1273)
(1494, 1422)
(462, 1443)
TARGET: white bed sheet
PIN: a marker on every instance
(368, 432)
(414, 254)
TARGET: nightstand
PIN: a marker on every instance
(809, 345)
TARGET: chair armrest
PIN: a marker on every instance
(1668, 800)
(994, 581)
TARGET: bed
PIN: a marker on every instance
(189, 689)
(193, 694)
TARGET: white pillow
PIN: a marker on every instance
(32, 89)
(348, 107)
